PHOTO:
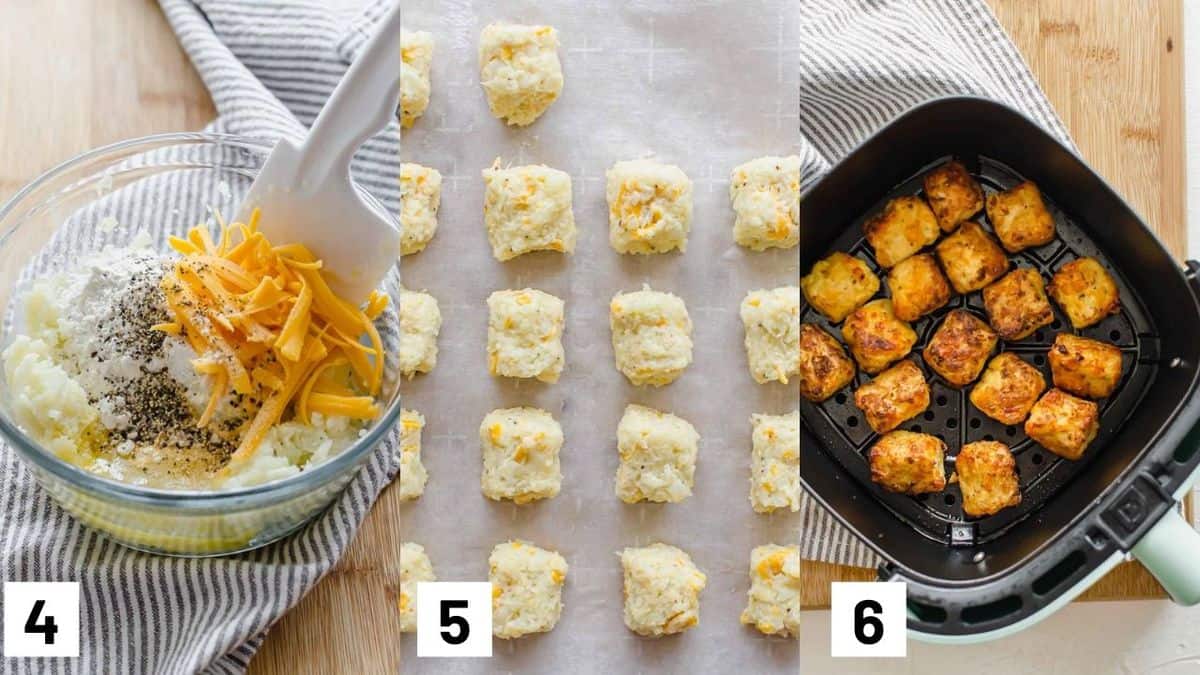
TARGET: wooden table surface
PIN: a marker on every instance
(1114, 71)
(1112, 68)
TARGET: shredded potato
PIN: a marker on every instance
(265, 323)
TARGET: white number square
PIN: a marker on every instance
(454, 619)
(869, 619)
(41, 618)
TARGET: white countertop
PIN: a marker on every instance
(1151, 637)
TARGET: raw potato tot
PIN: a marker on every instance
(953, 195)
(877, 339)
(414, 568)
(520, 455)
(527, 208)
(1086, 292)
(420, 198)
(662, 590)
(918, 287)
(1084, 367)
(774, 597)
(987, 476)
(1008, 389)
(971, 258)
(838, 285)
(775, 462)
(649, 207)
(527, 584)
(824, 367)
(1020, 218)
(772, 322)
(519, 71)
(658, 456)
(416, 56)
(525, 334)
(420, 324)
(651, 336)
(765, 193)
(412, 472)
(960, 348)
(1017, 305)
(909, 463)
(905, 226)
(897, 395)
(1063, 424)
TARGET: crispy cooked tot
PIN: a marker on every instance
(899, 394)
(1085, 291)
(1020, 218)
(839, 285)
(905, 226)
(1063, 424)
(1008, 389)
(918, 287)
(960, 348)
(1017, 304)
(971, 258)
(953, 195)
(987, 476)
(909, 463)
(876, 337)
(1084, 367)
(824, 367)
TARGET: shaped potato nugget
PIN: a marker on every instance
(651, 336)
(1063, 424)
(765, 194)
(420, 198)
(412, 472)
(839, 285)
(658, 456)
(953, 195)
(1020, 218)
(909, 463)
(824, 367)
(416, 57)
(662, 590)
(971, 258)
(649, 207)
(918, 287)
(1017, 305)
(527, 584)
(525, 334)
(899, 394)
(775, 462)
(987, 476)
(876, 337)
(520, 449)
(1084, 367)
(1086, 292)
(960, 348)
(771, 319)
(774, 607)
(414, 568)
(526, 209)
(905, 226)
(1008, 389)
(420, 324)
(519, 70)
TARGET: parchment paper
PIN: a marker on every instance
(706, 86)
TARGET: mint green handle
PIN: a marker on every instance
(1171, 551)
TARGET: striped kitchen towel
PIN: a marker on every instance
(269, 65)
(862, 63)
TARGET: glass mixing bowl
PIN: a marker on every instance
(174, 522)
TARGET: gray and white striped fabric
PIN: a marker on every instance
(862, 63)
(269, 66)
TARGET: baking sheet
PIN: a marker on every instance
(706, 86)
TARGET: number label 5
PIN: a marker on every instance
(868, 619)
(41, 619)
(454, 619)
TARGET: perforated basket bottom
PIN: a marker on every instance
(845, 436)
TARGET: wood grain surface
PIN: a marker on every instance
(1114, 71)
(1112, 68)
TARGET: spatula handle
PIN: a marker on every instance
(364, 102)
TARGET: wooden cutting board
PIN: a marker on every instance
(1114, 71)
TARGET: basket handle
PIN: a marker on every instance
(1170, 551)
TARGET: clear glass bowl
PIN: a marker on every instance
(174, 522)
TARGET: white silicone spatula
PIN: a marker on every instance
(305, 193)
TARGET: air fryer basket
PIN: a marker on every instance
(968, 576)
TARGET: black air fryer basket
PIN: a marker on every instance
(970, 579)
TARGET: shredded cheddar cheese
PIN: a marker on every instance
(266, 324)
